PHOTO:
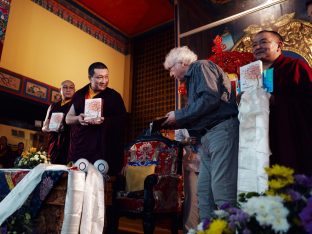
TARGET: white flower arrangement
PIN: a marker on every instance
(269, 211)
(32, 158)
(286, 207)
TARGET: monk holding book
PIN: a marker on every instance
(290, 127)
(97, 117)
(54, 124)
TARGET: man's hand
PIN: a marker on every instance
(171, 120)
(46, 129)
(95, 121)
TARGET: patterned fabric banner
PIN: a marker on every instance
(23, 218)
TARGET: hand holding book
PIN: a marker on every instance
(158, 124)
(252, 76)
(56, 122)
(93, 112)
(94, 121)
(170, 121)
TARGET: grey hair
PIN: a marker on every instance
(179, 54)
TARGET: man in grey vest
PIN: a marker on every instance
(211, 112)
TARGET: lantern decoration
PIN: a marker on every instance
(182, 88)
(229, 61)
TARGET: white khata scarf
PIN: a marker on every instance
(254, 149)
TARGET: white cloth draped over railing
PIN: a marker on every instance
(73, 201)
(254, 151)
(84, 203)
(16, 198)
(84, 206)
(92, 220)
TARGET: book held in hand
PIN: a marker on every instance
(251, 76)
(268, 80)
(93, 108)
(56, 121)
(156, 125)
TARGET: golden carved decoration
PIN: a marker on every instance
(296, 34)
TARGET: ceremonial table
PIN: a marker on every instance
(43, 211)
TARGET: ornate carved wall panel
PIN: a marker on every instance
(297, 35)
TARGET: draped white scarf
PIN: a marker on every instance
(84, 204)
(254, 148)
(16, 198)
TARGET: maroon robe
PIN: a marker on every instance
(58, 142)
(6, 157)
(291, 115)
(104, 141)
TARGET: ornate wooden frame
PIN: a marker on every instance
(295, 32)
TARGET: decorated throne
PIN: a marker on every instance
(151, 185)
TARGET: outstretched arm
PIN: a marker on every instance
(46, 122)
(72, 117)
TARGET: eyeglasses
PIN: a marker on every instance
(68, 87)
(170, 68)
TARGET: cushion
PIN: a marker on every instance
(135, 176)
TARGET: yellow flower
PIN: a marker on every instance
(218, 226)
(285, 197)
(270, 193)
(281, 171)
(280, 183)
(279, 177)
(33, 150)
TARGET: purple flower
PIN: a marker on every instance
(246, 231)
(239, 216)
(303, 180)
(206, 224)
(225, 206)
(306, 216)
(232, 225)
(238, 212)
(233, 210)
(3, 230)
(295, 196)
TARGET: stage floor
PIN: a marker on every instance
(134, 226)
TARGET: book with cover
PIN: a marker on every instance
(156, 125)
(251, 76)
(56, 121)
(268, 79)
(93, 108)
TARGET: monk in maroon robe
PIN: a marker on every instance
(58, 139)
(102, 137)
(291, 104)
(6, 155)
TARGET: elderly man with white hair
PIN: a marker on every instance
(211, 112)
